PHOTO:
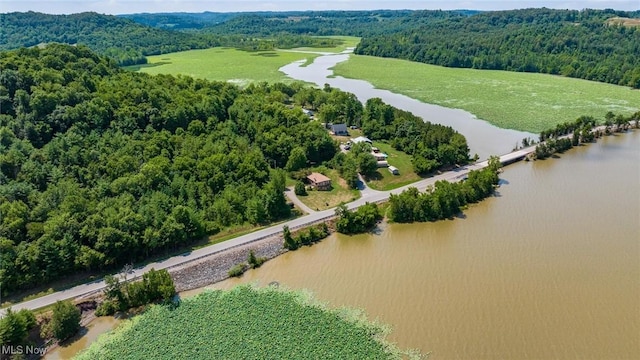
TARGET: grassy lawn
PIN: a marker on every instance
(224, 64)
(384, 180)
(522, 101)
(322, 200)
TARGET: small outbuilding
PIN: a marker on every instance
(339, 129)
(360, 139)
(319, 181)
(394, 170)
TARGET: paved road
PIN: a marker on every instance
(368, 196)
(291, 194)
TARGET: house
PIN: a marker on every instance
(360, 139)
(339, 129)
(383, 164)
(319, 181)
(394, 170)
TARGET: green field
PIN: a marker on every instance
(522, 101)
(245, 323)
(224, 64)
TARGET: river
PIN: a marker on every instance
(483, 138)
(549, 268)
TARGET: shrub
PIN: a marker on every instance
(237, 270)
(65, 320)
(300, 189)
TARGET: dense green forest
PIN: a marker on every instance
(123, 40)
(100, 167)
(566, 42)
(126, 41)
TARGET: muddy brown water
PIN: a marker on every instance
(88, 335)
(549, 268)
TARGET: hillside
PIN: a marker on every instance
(121, 39)
(572, 43)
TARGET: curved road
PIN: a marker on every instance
(368, 196)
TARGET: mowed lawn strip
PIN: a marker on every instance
(521, 101)
(339, 193)
(224, 64)
(385, 180)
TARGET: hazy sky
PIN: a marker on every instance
(134, 6)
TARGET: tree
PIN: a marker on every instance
(367, 164)
(300, 189)
(65, 320)
(289, 242)
(14, 327)
(297, 159)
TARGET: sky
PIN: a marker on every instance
(137, 6)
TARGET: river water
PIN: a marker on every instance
(483, 138)
(549, 268)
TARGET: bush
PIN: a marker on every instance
(255, 262)
(300, 189)
(237, 270)
(65, 320)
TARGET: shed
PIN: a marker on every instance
(319, 181)
(394, 170)
(339, 129)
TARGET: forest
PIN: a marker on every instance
(126, 41)
(571, 43)
(101, 167)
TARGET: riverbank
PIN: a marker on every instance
(215, 268)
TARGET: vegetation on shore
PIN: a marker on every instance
(306, 236)
(120, 295)
(582, 130)
(246, 323)
(358, 221)
(445, 199)
(521, 101)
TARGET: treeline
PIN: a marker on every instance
(121, 39)
(445, 199)
(572, 43)
(322, 23)
(582, 130)
(126, 41)
(432, 146)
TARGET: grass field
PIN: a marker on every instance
(384, 180)
(224, 64)
(322, 200)
(521, 101)
(245, 323)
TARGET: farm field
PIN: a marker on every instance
(521, 101)
(224, 64)
(245, 323)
